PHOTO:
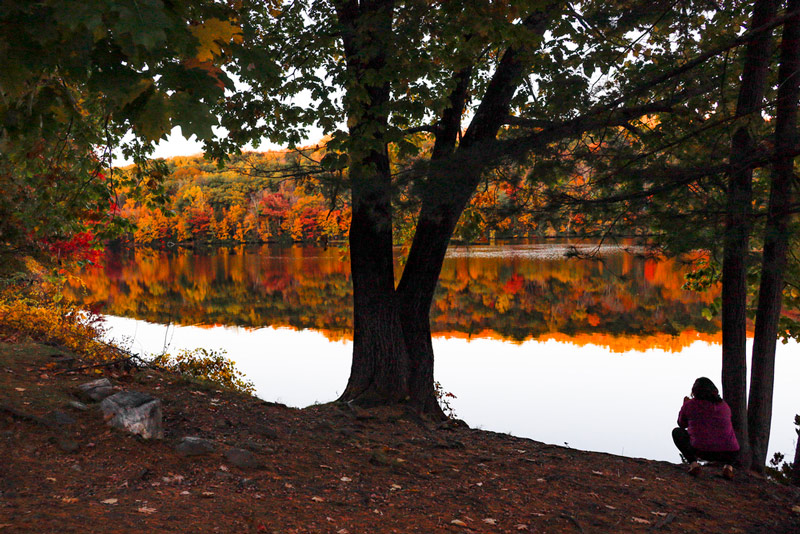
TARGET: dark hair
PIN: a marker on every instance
(704, 389)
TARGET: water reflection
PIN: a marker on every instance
(510, 292)
(550, 391)
(595, 354)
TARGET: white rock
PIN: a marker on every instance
(135, 412)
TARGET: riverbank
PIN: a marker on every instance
(326, 469)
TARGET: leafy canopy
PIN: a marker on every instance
(76, 77)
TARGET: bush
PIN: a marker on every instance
(207, 365)
(34, 309)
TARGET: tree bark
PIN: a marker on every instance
(445, 194)
(737, 226)
(392, 349)
(380, 367)
(796, 464)
(776, 243)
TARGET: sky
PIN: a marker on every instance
(176, 144)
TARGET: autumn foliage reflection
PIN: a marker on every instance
(623, 302)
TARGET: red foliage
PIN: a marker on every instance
(81, 246)
(514, 284)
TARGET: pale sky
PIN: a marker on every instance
(177, 145)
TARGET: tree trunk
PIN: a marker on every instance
(796, 464)
(392, 349)
(776, 243)
(380, 368)
(737, 227)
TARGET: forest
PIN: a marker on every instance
(277, 197)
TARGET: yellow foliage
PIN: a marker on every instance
(39, 312)
(212, 35)
(207, 365)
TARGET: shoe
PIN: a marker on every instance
(727, 472)
(694, 469)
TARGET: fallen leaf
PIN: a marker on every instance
(51, 479)
(490, 521)
(346, 479)
(660, 514)
(20, 389)
(395, 487)
(796, 509)
(146, 510)
(342, 531)
(207, 494)
(640, 520)
(458, 523)
(611, 507)
(186, 493)
(598, 473)
(69, 500)
(521, 527)
(110, 501)
(317, 499)
(323, 466)
(637, 478)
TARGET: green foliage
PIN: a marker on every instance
(208, 365)
(77, 77)
(779, 470)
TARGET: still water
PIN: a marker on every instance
(596, 353)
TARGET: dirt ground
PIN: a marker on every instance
(327, 469)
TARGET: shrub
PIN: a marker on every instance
(208, 365)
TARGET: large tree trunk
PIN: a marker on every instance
(737, 226)
(445, 194)
(776, 243)
(392, 349)
(380, 371)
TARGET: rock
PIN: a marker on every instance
(253, 446)
(222, 475)
(452, 424)
(194, 446)
(68, 445)
(59, 418)
(242, 458)
(137, 474)
(265, 431)
(60, 359)
(81, 407)
(96, 390)
(135, 412)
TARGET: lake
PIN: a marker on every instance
(595, 353)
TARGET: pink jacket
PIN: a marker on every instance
(709, 425)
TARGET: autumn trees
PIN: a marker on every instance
(74, 78)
